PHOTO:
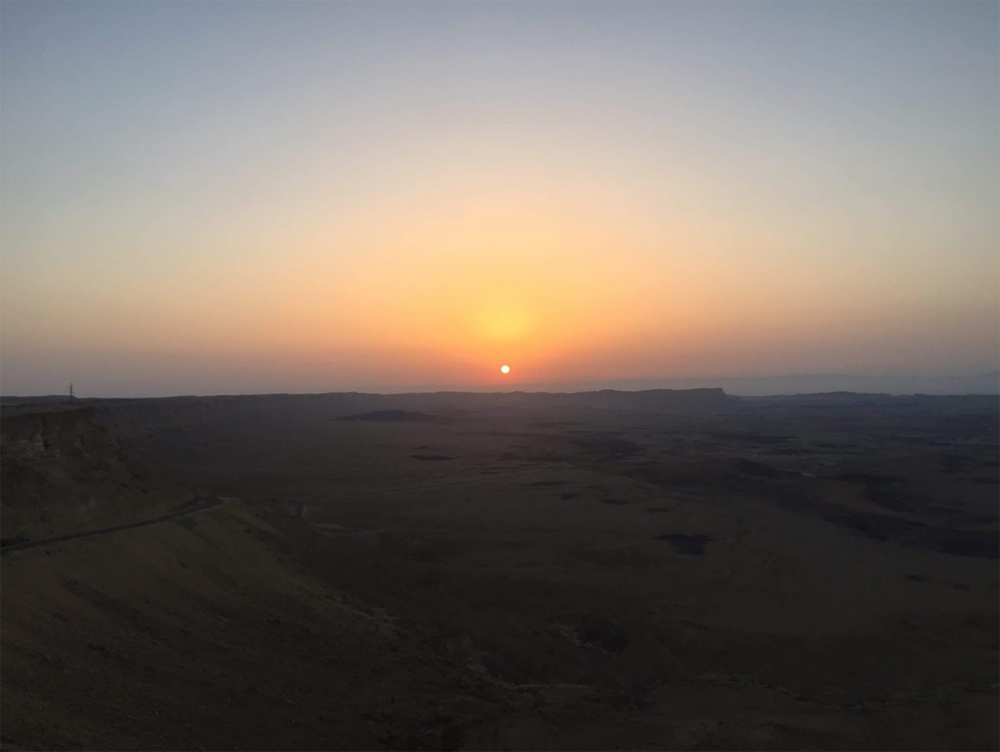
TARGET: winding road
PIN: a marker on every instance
(188, 510)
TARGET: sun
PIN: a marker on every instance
(504, 369)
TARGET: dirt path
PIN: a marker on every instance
(208, 504)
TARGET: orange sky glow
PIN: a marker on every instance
(383, 197)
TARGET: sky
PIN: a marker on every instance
(240, 197)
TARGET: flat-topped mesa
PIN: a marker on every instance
(656, 400)
(649, 399)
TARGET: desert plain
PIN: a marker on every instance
(602, 570)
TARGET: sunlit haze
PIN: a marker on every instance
(206, 198)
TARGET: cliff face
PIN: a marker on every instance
(38, 438)
(60, 470)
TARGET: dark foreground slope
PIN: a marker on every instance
(527, 572)
(196, 634)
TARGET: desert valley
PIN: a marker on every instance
(602, 570)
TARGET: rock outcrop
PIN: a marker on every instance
(60, 471)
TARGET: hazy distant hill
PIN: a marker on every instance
(758, 386)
